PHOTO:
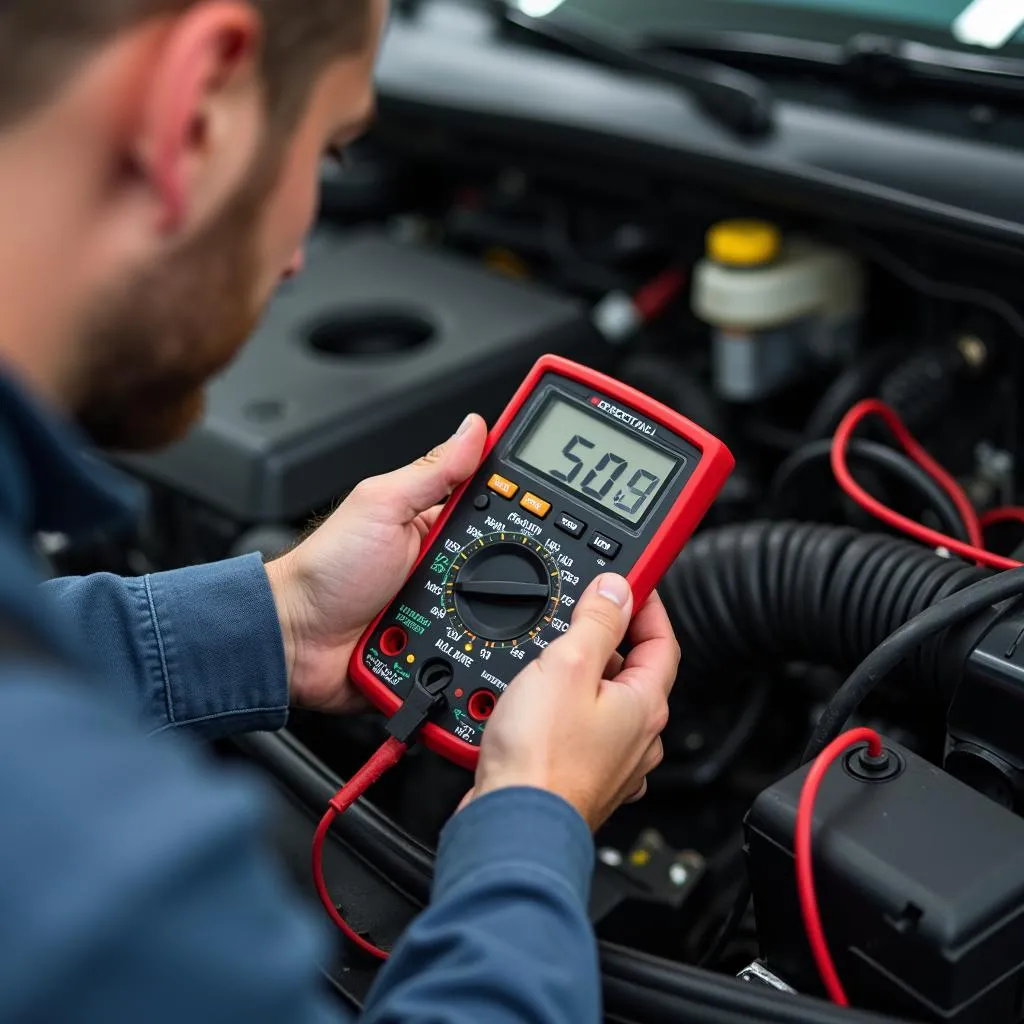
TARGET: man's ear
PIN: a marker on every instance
(203, 115)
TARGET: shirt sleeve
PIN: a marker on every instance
(136, 880)
(506, 938)
(198, 648)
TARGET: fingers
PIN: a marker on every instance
(614, 665)
(416, 488)
(598, 626)
(654, 660)
(653, 756)
(425, 522)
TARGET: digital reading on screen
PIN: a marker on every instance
(613, 469)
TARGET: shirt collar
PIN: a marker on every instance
(51, 480)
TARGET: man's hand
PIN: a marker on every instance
(332, 586)
(579, 721)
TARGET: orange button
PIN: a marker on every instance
(538, 506)
(501, 486)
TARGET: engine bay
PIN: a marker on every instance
(448, 257)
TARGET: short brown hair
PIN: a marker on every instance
(43, 41)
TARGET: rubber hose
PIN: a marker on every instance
(922, 387)
(766, 593)
(861, 380)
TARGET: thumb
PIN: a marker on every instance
(598, 626)
(432, 478)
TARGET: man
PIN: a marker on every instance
(159, 162)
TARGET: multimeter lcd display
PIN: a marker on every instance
(585, 453)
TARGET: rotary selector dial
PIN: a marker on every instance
(502, 589)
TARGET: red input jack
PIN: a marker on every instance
(393, 641)
(481, 705)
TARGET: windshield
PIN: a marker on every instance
(997, 25)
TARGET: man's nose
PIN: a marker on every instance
(295, 265)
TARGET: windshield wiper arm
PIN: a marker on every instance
(734, 98)
(889, 61)
(876, 61)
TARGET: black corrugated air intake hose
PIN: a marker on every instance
(766, 593)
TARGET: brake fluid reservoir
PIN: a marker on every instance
(775, 304)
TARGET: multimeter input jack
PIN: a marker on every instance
(436, 675)
(481, 705)
(393, 641)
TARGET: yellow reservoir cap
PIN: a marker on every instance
(744, 243)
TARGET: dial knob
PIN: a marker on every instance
(502, 587)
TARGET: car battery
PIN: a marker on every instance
(920, 884)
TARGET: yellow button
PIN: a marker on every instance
(538, 506)
(501, 486)
(744, 243)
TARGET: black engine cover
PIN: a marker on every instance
(363, 362)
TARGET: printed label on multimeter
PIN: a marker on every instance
(580, 476)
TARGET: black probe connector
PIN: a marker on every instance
(425, 700)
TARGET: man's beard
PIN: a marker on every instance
(152, 348)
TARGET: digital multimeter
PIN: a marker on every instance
(581, 475)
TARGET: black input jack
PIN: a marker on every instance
(436, 675)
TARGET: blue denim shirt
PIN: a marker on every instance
(135, 884)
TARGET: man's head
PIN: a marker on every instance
(168, 154)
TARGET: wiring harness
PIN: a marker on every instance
(826, 744)
(841, 597)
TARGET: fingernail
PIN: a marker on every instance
(614, 588)
(465, 425)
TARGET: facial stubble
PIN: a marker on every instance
(153, 346)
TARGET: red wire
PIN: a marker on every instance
(804, 860)
(873, 407)
(1009, 514)
(655, 296)
(386, 756)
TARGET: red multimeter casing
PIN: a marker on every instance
(581, 475)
